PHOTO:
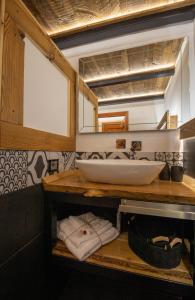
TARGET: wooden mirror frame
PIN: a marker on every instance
(16, 23)
(91, 97)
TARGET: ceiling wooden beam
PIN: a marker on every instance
(125, 17)
(103, 32)
(131, 100)
(144, 75)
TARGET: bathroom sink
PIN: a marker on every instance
(120, 171)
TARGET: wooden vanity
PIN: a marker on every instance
(71, 188)
(158, 191)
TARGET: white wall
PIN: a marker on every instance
(177, 98)
(86, 114)
(151, 141)
(46, 93)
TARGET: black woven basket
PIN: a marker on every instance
(141, 233)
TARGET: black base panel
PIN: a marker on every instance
(147, 283)
(82, 200)
(94, 287)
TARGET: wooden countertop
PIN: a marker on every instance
(161, 191)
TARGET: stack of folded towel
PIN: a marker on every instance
(84, 234)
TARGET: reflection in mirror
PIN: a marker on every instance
(142, 88)
(88, 108)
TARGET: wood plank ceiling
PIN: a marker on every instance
(65, 17)
(137, 61)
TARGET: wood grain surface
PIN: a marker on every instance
(64, 17)
(158, 191)
(117, 255)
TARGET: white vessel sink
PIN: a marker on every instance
(120, 171)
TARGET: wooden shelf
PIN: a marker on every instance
(117, 255)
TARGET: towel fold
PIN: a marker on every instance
(85, 234)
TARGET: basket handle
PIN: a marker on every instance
(160, 238)
(170, 243)
(175, 241)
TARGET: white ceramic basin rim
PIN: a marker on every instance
(120, 171)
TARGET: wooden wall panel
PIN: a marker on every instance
(20, 138)
(28, 24)
(13, 74)
(72, 110)
(188, 130)
(13, 135)
(2, 13)
(88, 93)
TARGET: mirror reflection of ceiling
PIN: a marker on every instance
(133, 60)
(132, 89)
(132, 73)
(65, 16)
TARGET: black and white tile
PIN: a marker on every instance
(13, 170)
(37, 166)
(117, 155)
(90, 155)
(19, 169)
(69, 160)
(80, 155)
(172, 158)
(102, 155)
(95, 155)
(56, 155)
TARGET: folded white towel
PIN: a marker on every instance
(79, 232)
(84, 234)
(88, 231)
(84, 251)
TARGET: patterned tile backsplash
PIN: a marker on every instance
(20, 169)
(172, 158)
(13, 170)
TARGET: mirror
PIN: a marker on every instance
(139, 88)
